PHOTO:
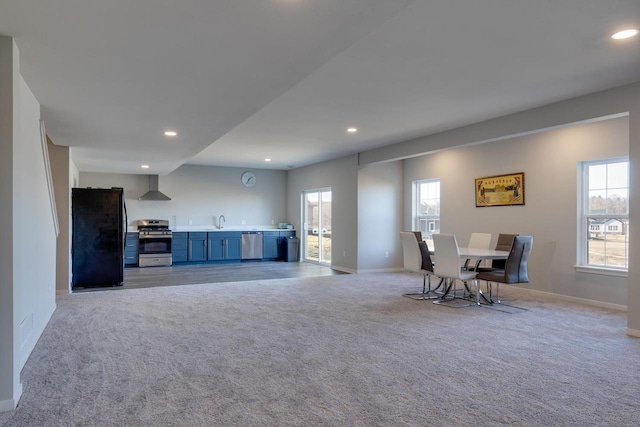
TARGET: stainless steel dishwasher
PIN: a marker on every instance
(252, 245)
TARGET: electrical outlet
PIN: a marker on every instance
(244, 222)
(190, 222)
(273, 221)
(386, 254)
(344, 253)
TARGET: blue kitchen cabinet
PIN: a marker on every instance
(179, 245)
(197, 250)
(234, 246)
(270, 243)
(131, 249)
(224, 246)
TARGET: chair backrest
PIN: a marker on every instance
(410, 252)
(516, 266)
(447, 255)
(480, 241)
(505, 241)
(477, 241)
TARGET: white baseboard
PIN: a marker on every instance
(577, 300)
(343, 269)
(27, 347)
(633, 332)
(381, 270)
(11, 404)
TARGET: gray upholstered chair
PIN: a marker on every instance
(417, 261)
(515, 269)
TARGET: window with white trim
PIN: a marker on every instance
(604, 216)
(427, 207)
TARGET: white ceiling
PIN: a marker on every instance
(243, 80)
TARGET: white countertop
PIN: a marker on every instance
(225, 228)
(133, 229)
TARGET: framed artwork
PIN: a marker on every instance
(500, 190)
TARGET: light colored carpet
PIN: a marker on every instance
(343, 350)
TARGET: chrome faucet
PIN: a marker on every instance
(220, 219)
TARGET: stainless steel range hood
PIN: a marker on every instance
(153, 193)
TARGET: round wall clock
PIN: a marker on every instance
(248, 179)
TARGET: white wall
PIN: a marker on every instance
(341, 176)
(201, 193)
(28, 236)
(616, 101)
(380, 217)
(549, 161)
(35, 236)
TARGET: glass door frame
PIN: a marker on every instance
(317, 231)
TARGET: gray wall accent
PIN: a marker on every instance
(633, 299)
(549, 161)
(60, 158)
(27, 294)
(341, 175)
(200, 194)
(380, 208)
(9, 382)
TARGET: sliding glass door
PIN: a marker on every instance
(317, 226)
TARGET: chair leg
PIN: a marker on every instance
(477, 291)
(498, 292)
(466, 289)
(448, 289)
(428, 278)
(442, 285)
(427, 293)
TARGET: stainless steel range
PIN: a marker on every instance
(154, 240)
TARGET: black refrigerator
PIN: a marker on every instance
(99, 228)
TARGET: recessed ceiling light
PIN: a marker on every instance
(352, 130)
(267, 160)
(625, 34)
(170, 133)
(144, 166)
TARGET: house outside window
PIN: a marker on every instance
(604, 230)
(427, 207)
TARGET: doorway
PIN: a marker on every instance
(317, 226)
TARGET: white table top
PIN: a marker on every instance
(483, 253)
(480, 253)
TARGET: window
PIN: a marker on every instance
(604, 218)
(427, 207)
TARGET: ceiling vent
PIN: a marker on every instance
(154, 193)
